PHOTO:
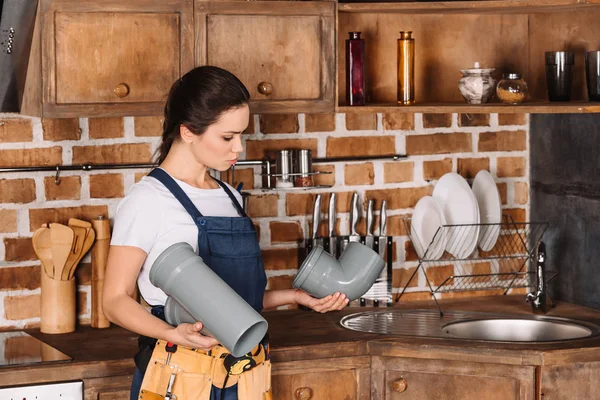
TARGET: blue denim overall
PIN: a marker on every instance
(229, 246)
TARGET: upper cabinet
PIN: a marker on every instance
(284, 52)
(108, 58)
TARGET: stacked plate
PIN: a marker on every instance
(457, 218)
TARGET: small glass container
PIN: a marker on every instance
(406, 69)
(511, 89)
(355, 70)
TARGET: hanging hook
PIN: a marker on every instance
(57, 177)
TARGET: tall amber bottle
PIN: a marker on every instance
(406, 69)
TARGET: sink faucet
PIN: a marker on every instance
(539, 299)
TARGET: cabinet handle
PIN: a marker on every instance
(121, 90)
(304, 393)
(265, 88)
(399, 385)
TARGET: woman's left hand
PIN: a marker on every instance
(336, 301)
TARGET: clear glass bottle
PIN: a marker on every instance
(355, 70)
(406, 68)
(511, 89)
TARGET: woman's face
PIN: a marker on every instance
(219, 147)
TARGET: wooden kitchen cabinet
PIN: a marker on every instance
(424, 379)
(283, 51)
(108, 388)
(345, 378)
(111, 57)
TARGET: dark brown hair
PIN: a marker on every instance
(198, 100)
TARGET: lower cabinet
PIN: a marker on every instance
(109, 388)
(423, 379)
(344, 378)
(571, 381)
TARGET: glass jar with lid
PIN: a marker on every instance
(511, 89)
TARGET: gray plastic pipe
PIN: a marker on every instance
(352, 274)
(203, 295)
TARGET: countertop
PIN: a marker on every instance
(302, 335)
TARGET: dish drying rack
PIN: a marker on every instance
(509, 264)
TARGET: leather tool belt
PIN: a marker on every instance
(189, 374)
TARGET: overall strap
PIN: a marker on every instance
(177, 191)
(237, 206)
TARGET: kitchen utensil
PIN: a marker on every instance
(592, 74)
(352, 274)
(459, 206)
(559, 74)
(303, 167)
(58, 304)
(369, 239)
(79, 235)
(61, 239)
(477, 85)
(426, 228)
(283, 168)
(99, 257)
(182, 274)
(490, 209)
(376, 245)
(354, 217)
(43, 249)
(87, 244)
(316, 221)
(329, 243)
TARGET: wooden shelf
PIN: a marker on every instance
(528, 108)
(477, 6)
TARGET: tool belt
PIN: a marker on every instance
(189, 374)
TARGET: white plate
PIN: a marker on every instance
(490, 209)
(460, 208)
(426, 220)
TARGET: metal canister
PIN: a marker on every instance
(303, 167)
(283, 168)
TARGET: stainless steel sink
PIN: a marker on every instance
(518, 330)
(469, 326)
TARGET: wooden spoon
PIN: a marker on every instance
(79, 234)
(61, 238)
(42, 248)
(87, 244)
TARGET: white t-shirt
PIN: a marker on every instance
(151, 218)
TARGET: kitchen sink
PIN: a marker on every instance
(470, 326)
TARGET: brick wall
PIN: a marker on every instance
(435, 144)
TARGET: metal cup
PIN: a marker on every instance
(592, 69)
(283, 168)
(559, 74)
(303, 167)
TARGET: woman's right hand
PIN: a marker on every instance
(189, 335)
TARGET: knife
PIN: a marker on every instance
(377, 247)
(316, 221)
(354, 236)
(329, 243)
(369, 239)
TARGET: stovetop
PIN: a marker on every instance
(20, 348)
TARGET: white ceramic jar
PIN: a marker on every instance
(477, 85)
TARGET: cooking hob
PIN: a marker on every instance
(20, 348)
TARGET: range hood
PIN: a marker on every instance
(17, 18)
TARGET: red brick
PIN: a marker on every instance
(106, 128)
(241, 175)
(399, 197)
(361, 121)
(20, 278)
(19, 249)
(69, 188)
(474, 120)
(433, 170)
(437, 120)
(39, 216)
(106, 186)
(395, 225)
(395, 172)
(512, 119)
(22, 307)
(250, 128)
(15, 130)
(517, 214)
(61, 129)
(281, 259)
(17, 191)
(361, 146)
(82, 303)
(502, 189)
(397, 120)
(284, 232)
(510, 167)
(280, 282)
(278, 123)
(439, 143)
(469, 167)
(401, 276)
(263, 205)
(138, 176)
(503, 141)
(113, 154)
(324, 122)
(148, 126)
(31, 157)
(260, 149)
(324, 179)
(521, 193)
(415, 296)
(439, 275)
(359, 174)
(8, 221)
(83, 273)
(410, 254)
(299, 203)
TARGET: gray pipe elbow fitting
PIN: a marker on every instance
(352, 274)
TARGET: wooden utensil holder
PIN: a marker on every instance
(59, 307)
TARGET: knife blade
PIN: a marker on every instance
(369, 239)
(376, 244)
(316, 221)
(329, 243)
(354, 216)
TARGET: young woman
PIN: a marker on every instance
(205, 115)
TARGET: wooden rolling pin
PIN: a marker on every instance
(99, 256)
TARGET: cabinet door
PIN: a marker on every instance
(282, 51)
(340, 378)
(108, 388)
(114, 57)
(418, 379)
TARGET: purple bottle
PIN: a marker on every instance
(355, 70)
